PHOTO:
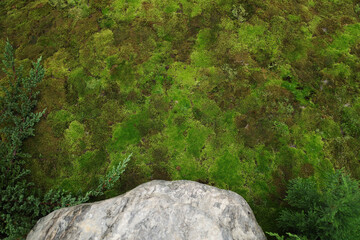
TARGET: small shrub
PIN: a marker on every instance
(328, 209)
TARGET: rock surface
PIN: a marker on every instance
(155, 210)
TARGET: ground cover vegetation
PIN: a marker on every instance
(245, 95)
(21, 203)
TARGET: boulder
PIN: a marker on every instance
(155, 210)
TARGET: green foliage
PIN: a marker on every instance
(111, 177)
(243, 95)
(17, 121)
(329, 210)
(22, 204)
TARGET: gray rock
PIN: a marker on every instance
(155, 210)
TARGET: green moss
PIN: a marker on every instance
(265, 49)
(78, 81)
(344, 41)
(196, 137)
(124, 134)
(126, 10)
(201, 58)
(92, 55)
(122, 73)
(74, 136)
(184, 75)
(241, 95)
(351, 119)
(60, 121)
(227, 172)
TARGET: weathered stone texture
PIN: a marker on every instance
(155, 210)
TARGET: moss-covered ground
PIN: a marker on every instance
(239, 94)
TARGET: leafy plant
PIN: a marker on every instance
(17, 121)
(108, 181)
(329, 209)
(21, 204)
